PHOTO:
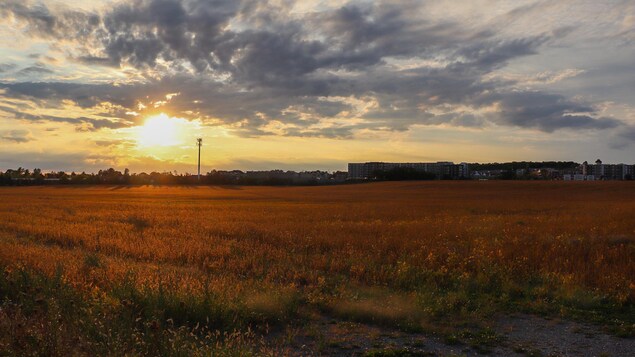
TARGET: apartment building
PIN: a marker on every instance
(442, 169)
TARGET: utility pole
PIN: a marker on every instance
(199, 143)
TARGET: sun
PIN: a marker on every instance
(159, 130)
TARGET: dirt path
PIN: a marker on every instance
(528, 334)
(517, 335)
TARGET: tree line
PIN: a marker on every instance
(22, 177)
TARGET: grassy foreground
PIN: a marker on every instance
(200, 270)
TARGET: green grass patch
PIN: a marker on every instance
(41, 315)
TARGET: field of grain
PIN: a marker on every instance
(158, 269)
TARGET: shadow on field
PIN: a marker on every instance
(119, 187)
(228, 187)
(59, 187)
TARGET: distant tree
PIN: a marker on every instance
(508, 175)
(5, 178)
(37, 175)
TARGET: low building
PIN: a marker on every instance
(603, 171)
(578, 177)
(441, 169)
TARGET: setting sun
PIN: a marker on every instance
(161, 136)
(161, 130)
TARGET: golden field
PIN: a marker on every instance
(407, 254)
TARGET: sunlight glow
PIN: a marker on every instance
(161, 130)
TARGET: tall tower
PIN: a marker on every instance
(199, 143)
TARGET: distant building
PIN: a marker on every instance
(601, 171)
(23, 179)
(598, 169)
(274, 177)
(578, 177)
(611, 171)
(442, 169)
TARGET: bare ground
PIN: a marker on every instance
(529, 334)
(514, 335)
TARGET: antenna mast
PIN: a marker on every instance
(199, 143)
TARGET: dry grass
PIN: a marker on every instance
(452, 247)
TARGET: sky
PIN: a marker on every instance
(303, 85)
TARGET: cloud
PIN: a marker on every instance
(262, 70)
(6, 67)
(494, 54)
(58, 161)
(37, 69)
(625, 138)
(549, 112)
(111, 143)
(18, 136)
(539, 78)
(82, 123)
(42, 22)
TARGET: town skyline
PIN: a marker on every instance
(515, 164)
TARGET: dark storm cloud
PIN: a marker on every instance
(549, 112)
(50, 94)
(493, 54)
(141, 31)
(279, 67)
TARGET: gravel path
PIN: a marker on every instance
(518, 335)
(554, 337)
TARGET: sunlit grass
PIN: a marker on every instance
(404, 254)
